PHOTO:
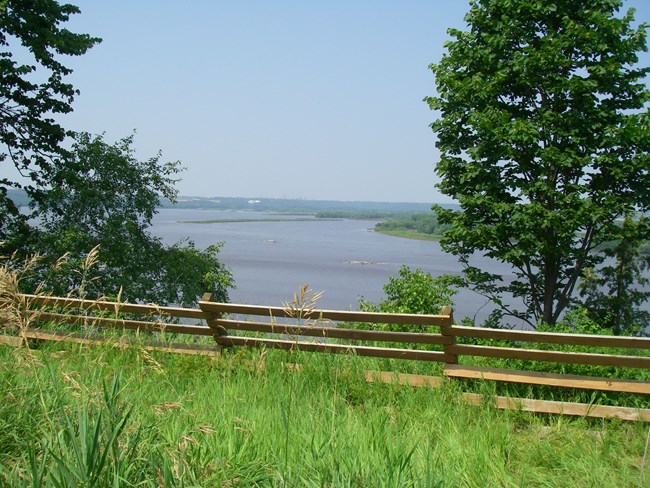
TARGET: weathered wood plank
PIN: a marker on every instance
(336, 315)
(115, 307)
(13, 341)
(380, 352)
(120, 323)
(405, 379)
(529, 405)
(552, 356)
(447, 331)
(563, 408)
(217, 330)
(335, 332)
(123, 342)
(375, 376)
(548, 379)
(551, 337)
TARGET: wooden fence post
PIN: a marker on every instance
(447, 331)
(217, 330)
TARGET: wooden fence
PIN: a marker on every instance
(326, 331)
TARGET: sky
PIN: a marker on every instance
(272, 99)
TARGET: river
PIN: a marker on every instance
(344, 259)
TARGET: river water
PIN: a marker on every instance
(344, 259)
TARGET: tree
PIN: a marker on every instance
(544, 136)
(32, 89)
(94, 194)
(107, 198)
(414, 291)
(613, 294)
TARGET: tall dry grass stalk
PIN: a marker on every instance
(19, 312)
(91, 260)
(303, 309)
(13, 304)
(303, 304)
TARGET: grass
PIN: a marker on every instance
(410, 234)
(87, 416)
(103, 416)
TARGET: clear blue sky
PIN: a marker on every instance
(296, 99)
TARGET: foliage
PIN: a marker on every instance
(424, 223)
(544, 139)
(107, 184)
(107, 198)
(354, 214)
(414, 292)
(87, 451)
(32, 89)
(576, 321)
(614, 294)
(418, 292)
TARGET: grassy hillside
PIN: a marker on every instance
(113, 417)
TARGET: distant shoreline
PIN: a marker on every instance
(236, 221)
(409, 234)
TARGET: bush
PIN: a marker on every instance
(415, 292)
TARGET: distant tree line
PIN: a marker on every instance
(329, 208)
(423, 223)
(356, 214)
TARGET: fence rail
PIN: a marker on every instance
(329, 331)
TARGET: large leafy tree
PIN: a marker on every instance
(32, 90)
(544, 136)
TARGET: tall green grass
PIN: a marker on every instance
(102, 416)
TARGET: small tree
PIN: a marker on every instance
(544, 137)
(107, 198)
(93, 195)
(414, 291)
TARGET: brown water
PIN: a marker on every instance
(343, 258)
